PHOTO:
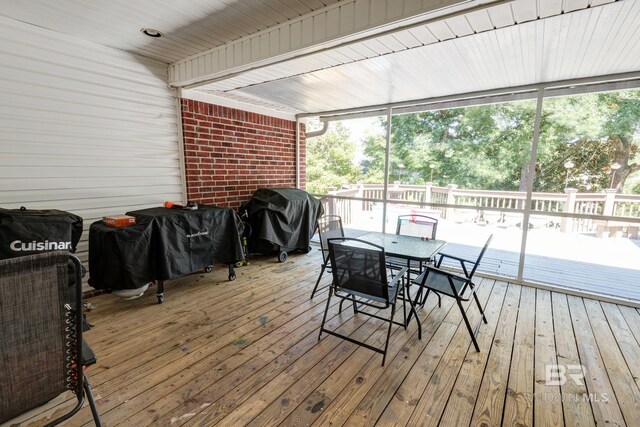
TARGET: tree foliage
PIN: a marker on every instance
(489, 147)
(330, 160)
(598, 131)
(478, 147)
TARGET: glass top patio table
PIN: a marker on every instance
(410, 248)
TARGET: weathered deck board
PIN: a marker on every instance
(350, 397)
(606, 409)
(624, 385)
(625, 338)
(351, 379)
(518, 405)
(247, 353)
(490, 397)
(461, 404)
(429, 411)
(547, 408)
(577, 412)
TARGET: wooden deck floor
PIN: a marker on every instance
(598, 279)
(247, 353)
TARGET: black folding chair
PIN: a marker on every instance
(360, 276)
(421, 226)
(41, 334)
(329, 227)
(460, 287)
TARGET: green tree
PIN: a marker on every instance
(489, 146)
(481, 147)
(373, 166)
(599, 130)
(330, 160)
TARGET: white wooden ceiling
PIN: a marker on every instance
(522, 43)
(189, 26)
(510, 44)
(500, 16)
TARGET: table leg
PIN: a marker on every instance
(416, 300)
(160, 291)
(232, 272)
(414, 312)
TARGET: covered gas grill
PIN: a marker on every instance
(164, 244)
(282, 220)
(120, 258)
(191, 240)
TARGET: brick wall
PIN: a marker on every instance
(230, 153)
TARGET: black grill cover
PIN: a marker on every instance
(120, 258)
(285, 217)
(30, 231)
(185, 241)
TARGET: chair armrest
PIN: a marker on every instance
(468, 284)
(398, 276)
(442, 254)
(461, 260)
(418, 280)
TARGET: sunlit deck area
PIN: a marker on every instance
(572, 256)
(247, 353)
(576, 262)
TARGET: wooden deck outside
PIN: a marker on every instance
(584, 276)
(247, 353)
(598, 279)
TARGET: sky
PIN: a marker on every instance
(360, 129)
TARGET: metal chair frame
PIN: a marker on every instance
(77, 381)
(358, 297)
(323, 227)
(402, 219)
(465, 293)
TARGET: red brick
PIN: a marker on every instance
(225, 148)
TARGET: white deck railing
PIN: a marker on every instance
(608, 203)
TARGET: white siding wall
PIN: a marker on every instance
(83, 128)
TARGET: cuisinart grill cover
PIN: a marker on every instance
(29, 231)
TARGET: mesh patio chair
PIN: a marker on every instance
(458, 286)
(329, 227)
(360, 277)
(41, 334)
(421, 226)
(417, 225)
